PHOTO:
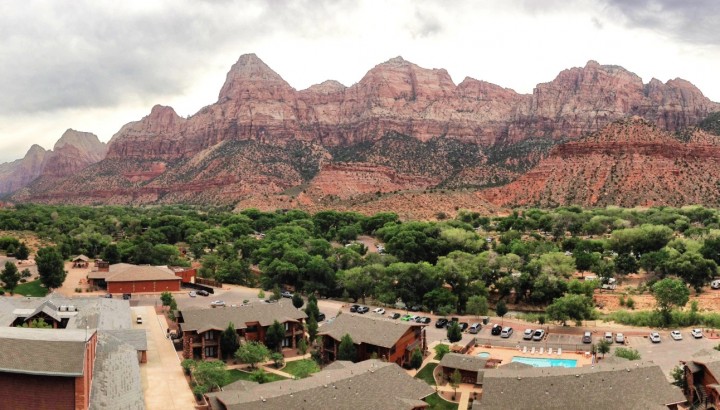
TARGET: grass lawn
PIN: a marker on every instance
(438, 403)
(235, 375)
(294, 366)
(436, 356)
(427, 373)
(33, 288)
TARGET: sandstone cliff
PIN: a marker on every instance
(17, 174)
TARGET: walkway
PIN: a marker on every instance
(164, 384)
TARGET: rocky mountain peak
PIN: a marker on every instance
(247, 73)
(35, 150)
(79, 139)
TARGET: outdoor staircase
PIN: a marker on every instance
(701, 403)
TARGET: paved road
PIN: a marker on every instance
(164, 384)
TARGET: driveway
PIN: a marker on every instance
(164, 384)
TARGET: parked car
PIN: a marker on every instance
(496, 330)
(354, 308)
(696, 333)
(379, 311)
(107, 295)
(715, 284)
(320, 317)
(620, 338)
(506, 332)
(395, 315)
(139, 320)
(538, 335)
(216, 303)
(587, 337)
(655, 337)
(127, 296)
(474, 328)
(362, 310)
(415, 308)
(527, 334)
(407, 318)
(676, 335)
(441, 323)
(609, 337)
(463, 326)
(202, 292)
(192, 294)
(286, 294)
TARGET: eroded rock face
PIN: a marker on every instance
(73, 152)
(17, 174)
(630, 162)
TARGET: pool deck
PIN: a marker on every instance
(505, 354)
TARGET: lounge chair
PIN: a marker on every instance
(532, 350)
(542, 350)
(549, 350)
(559, 352)
(524, 349)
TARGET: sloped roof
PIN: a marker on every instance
(201, 320)
(463, 362)
(135, 338)
(367, 329)
(632, 385)
(116, 380)
(125, 272)
(371, 384)
(81, 258)
(55, 352)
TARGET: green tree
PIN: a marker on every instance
(695, 270)
(501, 308)
(455, 380)
(346, 349)
(167, 298)
(297, 301)
(477, 305)
(441, 350)
(50, 267)
(22, 252)
(260, 376)
(416, 359)
(37, 324)
(302, 346)
(304, 368)
(678, 375)
(571, 307)
(275, 335)
(278, 359)
(111, 253)
(670, 293)
(252, 353)
(454, 334)
(311, 309)
(603, 347)
(211, 374)
(312, 328)
(229, 340)
(10, 277)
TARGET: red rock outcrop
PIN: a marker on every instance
(631, 162)
(73, 152)
(19, 173)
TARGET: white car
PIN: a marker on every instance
(379, 311)
(675, 334)
(619, 338)
(608, 337)
(696, 333)
(215, 303)
(528, 334)
(715, 284)
(655, 337)
(506, 332)
(192, 294)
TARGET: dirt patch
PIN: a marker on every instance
(32, 241)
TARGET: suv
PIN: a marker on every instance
(620, 338)
(362, 310)
(354, 308)
(527, 335)
(609, 337)
(475, 327)
(202, 292)
(441, 323)
(506, 332)
(587, 337)
(496, 330)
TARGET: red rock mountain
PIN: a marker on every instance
(19, 173)
(628, 163)
(401, 127)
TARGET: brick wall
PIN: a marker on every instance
(144, 286)
(22, 391)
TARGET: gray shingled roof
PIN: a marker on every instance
(463, 362)
(712, 364)
(135, 338)
(218, 318)
(371, 384)
(57, 352)
(633, 385)
(116, 381)
(367, 329)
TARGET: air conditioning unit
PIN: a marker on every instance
(72, 308)
(63, 308)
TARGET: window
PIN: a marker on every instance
(210, 351)
(251, 329)
(209, 335)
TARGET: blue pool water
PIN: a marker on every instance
(544, 362)
(484, 355)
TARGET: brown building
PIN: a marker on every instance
(201, 328)
(371, 384)
(390, 340)
(702, 377)
(471, 368)
(126, 278)
(612, 384)
(46, 368)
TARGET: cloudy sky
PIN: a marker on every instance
(94, 65)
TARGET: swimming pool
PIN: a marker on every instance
(545, 362)
(483, 355)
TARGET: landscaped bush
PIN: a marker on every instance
(626, 353)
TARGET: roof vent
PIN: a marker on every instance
(63, 308)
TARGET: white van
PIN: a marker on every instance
(474, 328)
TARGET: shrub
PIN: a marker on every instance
(621, 300)
(626, 353)
(630, 303)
